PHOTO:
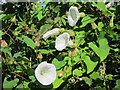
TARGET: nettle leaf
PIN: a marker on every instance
(86, 20)
(10, 84)
(43, 28)
(58, 64)
(103, 50)
(90, 64)
(28, 41)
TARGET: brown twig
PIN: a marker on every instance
(112, 57)
(5, 28)
(19, 66)
(21, 76)
(9, 36)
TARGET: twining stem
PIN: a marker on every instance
(20, 76)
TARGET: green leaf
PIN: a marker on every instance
(28, 41)
(100, 25)
(32, 78)
(49, 20)
(101, 6)
(103, 50)
(43, 28)
(90, 64)
(95, 75)
(77, 72)
(1, 33)
(19, 54)
(2, 15)
(57, 19)
(39, 16)
(44, 51)
(58, 80)
(87, 20)
(20, 86)
(30, 71)
(58, 64)
(87, 80)
(64, 22)
(10, 84)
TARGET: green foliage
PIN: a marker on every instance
(91, 62)
(10, 84)
(103, 50)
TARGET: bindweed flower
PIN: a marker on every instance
(73, 15)
(45, 73)
(63, 41)
(52, 32)
(110, 4)
(3, 1)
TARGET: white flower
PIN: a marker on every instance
(45, 73)
(63, 41)
(110, 4)
(73, 15)
(52, 32)
(2, 2)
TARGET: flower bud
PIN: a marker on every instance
(82, 14)
(3, 43)
(36, 6)
(61, 30)
(22, 62)
(61, 74)
(13, 19)
(67, 69)
(75, 45)
(69, 53)
(71, 33)
(94, 26)
(16, 33)
(26, 27)
(37, 43)
(111, 22)
(64, 54)
(10, 61)
(75, 52)
(40, 56)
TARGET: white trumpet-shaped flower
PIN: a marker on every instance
(52, 32)
(73, 15)
(45, 73)
(63, 41)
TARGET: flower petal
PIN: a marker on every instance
(70, 43)
(73, 16)
(52, 32)
(49, 73)
(62, 41)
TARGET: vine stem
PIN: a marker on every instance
(20, 76)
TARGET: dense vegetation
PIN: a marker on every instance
(91, 62)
